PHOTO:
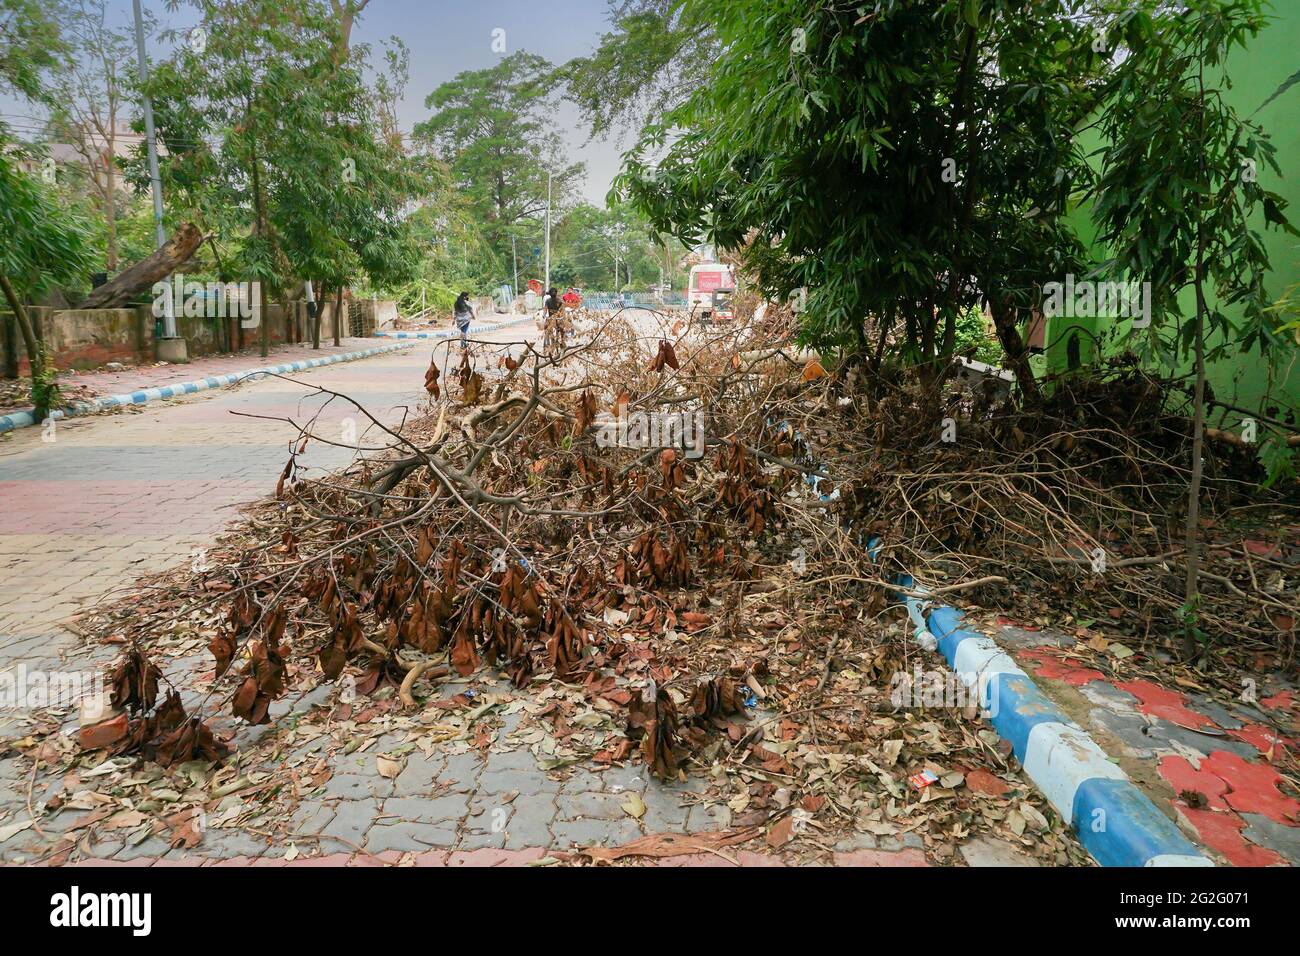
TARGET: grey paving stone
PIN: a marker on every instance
(583, 781)
(311, 818)
(420, 775)
(477, 839)
(354, 787)
(448, 806)
(530, 824)
(591, 806)
(1107, 695)
(510, 760)
(153, 846)
(629, 778)
(701, 818)
(225, 843)
(105, 849)
(358, 764)
(1145, 738)
(664, 812)
(410, 837)
(1011, 636)
(461, 771)
(587, 832)
(856, 841)
(1273, 835)
(352, 818)
(986, 851)
(521, 781)
(1215, 711)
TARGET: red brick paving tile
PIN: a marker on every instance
(386, 858)
(881, 858)
(332, 859)
(431, 858)
(490, 856)
(1222, 831)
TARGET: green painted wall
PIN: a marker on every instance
(1256, 73)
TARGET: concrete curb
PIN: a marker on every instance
(1115, 821)
(16, 420)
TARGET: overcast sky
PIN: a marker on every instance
(446, 37)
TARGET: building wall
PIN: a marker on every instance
(1245, 380)
(90, 338)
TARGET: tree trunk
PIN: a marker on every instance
(320, 314)
(34, 356)
(110, 209)
(164, 260)
(1192, 538)
(1004, 322)
(338, 314)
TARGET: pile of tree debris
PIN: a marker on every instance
(674, 525)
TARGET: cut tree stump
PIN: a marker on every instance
(165, 260)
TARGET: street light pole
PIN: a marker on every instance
(155, 179)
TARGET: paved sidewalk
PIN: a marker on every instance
(1208, 758)
(114, 496)
(132, 377)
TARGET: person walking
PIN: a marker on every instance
(463, 314)
(552, 301)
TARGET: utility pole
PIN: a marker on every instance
(514, 258)
(548, 230)
(173, 348)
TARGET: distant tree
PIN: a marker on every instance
(273, 137)
(90, 91)
(40, 240)
(490, 127)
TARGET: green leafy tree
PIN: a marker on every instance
(490, 128)
(656, 55)
(43, 242)
(30, 44)
(901, 164)
(276, 144)
(91, 89)
(1176, 198)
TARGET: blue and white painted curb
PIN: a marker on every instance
(1115, 821)
(143, 396)
(175, 390)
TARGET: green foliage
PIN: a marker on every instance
(1178, 192)
(1179, 169)
(30, 44)
(490, 128)
(879, 159)
(588, 241)
(974, 340)
(655, 56)
(305, 181)
(44, 241)
(45, 393)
